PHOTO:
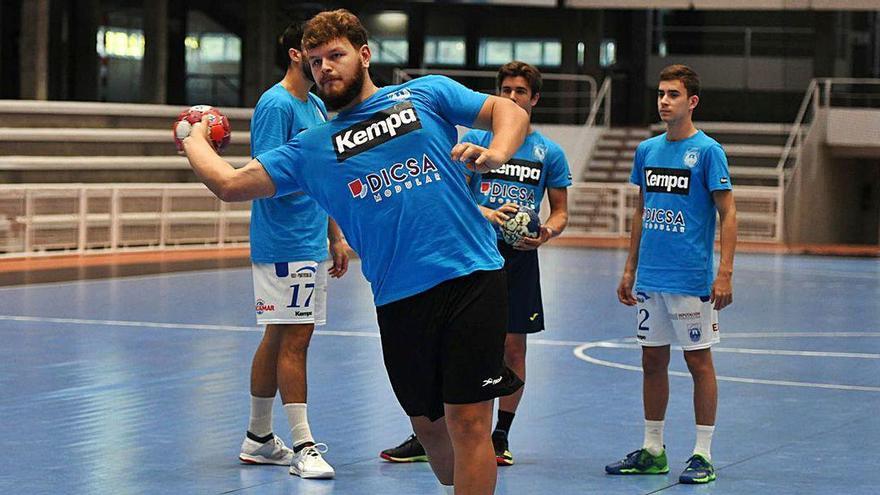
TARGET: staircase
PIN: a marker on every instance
(753, 150)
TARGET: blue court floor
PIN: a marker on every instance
(140, 386)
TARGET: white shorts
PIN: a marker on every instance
(294, 292)
(666, 318)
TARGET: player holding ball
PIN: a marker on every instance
(510, 197)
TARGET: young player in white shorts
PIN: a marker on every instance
(683, 181)
(289, 241)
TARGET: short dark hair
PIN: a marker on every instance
(516, 69)
(290, 38)
(333, 24)
(685, 74)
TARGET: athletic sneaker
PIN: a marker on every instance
(502, 453)
(272, 452)
(698, 470)
(410, 450)
(640, 462)
(309, 464)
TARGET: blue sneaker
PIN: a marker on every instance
(698, 470)
(640, 462)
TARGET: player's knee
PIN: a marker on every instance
(295, 339)
(467, 423)
(699, 362)
(654, 361)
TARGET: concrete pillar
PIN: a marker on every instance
(258, 59)
(85, 18)
(154, 71)
(34, 50)
(176, 67)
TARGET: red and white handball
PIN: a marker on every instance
(219, 131)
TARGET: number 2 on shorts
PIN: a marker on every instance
(642, 325)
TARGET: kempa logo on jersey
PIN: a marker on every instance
(499, 192)
(395, 179)
(668, 180)
(382, 127)
(516, 170)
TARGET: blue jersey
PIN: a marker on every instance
(382, 170)
(538, 164)
(293, 227)
(678, 226)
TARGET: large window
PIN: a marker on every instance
(444, 50)
(499, 51)
(389, 50)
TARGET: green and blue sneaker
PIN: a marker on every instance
(698, 470)
(640, 462)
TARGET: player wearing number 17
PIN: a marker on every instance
(389, 156)
(289, 246)
(683, 179)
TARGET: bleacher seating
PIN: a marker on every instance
(62, 142)
(753, 150)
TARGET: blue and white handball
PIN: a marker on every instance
(523, 223)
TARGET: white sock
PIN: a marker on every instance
(299, 423)
(448, 489)
(260, 422)
(704, 441)
(653, 437)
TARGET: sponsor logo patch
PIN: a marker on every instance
(668, 180)
(395, 179)
(516, 170)
(382, 127)
(262, 307)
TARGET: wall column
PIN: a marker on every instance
(34, 50)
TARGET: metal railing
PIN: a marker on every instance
(567, 105)
(603, 102)
(820, 93)
(54, 218)
(605, 210)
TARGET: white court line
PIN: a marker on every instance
(580, 353)
(737, 350)
(579, 347)
(168, 326)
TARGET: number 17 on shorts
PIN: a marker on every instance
(290, 293)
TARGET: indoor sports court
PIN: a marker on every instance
(136, 384)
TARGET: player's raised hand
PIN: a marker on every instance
(722, 292)
(477, 158)
(625, 290)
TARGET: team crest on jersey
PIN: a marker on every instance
(691, 156)
(694, 332)
(540, 151)
(402, 94)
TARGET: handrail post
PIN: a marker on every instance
(83, 222)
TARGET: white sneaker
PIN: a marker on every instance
(272, 452)
(309, 464)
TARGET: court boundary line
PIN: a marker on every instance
(580, 353)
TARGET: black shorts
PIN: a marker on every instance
(526, 313)
(446, 344)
